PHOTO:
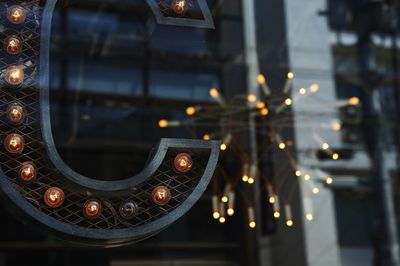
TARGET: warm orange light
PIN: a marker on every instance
(314, 87)
(54, 197)
(353, 101)
(14, 75)
(206, 137)
(163, 123)
(161, 195)
(190, 110)
(260, 105)
(251, 180)
(179, 6)
(214, 92)
(252, 224)
(261, 79)
(16, 14)
(264, 112)
(92, 209)
(251, 98)
(282, 145)
(15, 113)
(336, 126)
(14, 143)
(289, 223)
(223, 147)
(27, 172)
(12, 45)
(183, 162)
(335, 156)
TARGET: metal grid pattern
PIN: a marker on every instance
(71, 211)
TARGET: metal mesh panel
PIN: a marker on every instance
(71, 211)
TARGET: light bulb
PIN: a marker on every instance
(298, 173)
(179, 6)
(314, 87)
(190, 110)
(230, 211)
(252, 224)
(15, 75)
(214, 92)
(288, 101)
(282, 145)
(261, 79)
(27, 172)
(128, 209)
(216, 215)
(223, 147)
(54, 197)
(183, 163)
(260, 105)
(315, 190)
(251, 98)
(290, 75)
(14, 143)
(353, 101)
(325, 146)
(329, 180)
(206, 137)
(251, 180)
(335, 156)
(12, 45)
(289, 223)
(302, 91)
(222, 219)
(309, 216)
(161, 195)
(16, 14)
(277, 214)
(272, 199)
(245, 178)
(163, 123)
(307, 177)
(264, 111)
(224, 199)
(15, 113)
(92, 209)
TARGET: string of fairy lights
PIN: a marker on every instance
(276, 109)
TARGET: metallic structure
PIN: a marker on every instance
(35, 179)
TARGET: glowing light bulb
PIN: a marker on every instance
(179, 6)
(216, 215)
(288, 101)
(252, 224)
(15, 75)
(12, 45)
(16, 14)
(161, 195)
(277, 214)
(307, 177)
(251, 180)
(336, 126)
(335, 156)
(224, 199)
(298, 173)
(261, 79)
(353, 101)
(214, 92)
(264, 111)
(222, 219)
(329, 180)
(315, 190)
(325, 146)
(302, 91)
(272, 199)
(206, 137)
(183, 162)
(282, 145)
(251, 98)
(27, 172)
(190, 110)
(128, 209)
(163, 123)
(289, 223)
(15, 113)
(314, 88)
(92, 209)
(290, 75)
(245, 178)
(14, 143)
(54, 197)
(223, 147)
(260, 105)
(309, 216)
(231, 211)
